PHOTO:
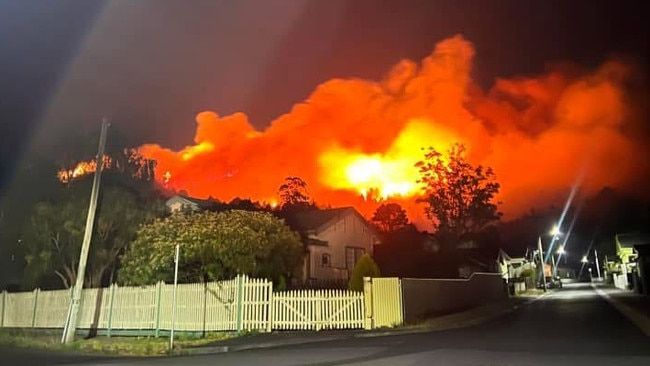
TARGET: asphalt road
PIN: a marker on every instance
(574, 326)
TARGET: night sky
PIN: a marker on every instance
(151, 65)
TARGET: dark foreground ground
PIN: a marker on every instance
(574, 326)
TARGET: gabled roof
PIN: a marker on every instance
(186, 200)
(313, 220)
(181, 199)
(319, 220)
(630, 240)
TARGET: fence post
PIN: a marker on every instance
(4, 305)
(110, 310)
(205, 307)
(318, 298)
(36, 291)
(401, 300)
(269, 324)
(240, 302)
(158, 306)
(367, 303)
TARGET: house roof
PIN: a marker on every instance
(314, 220)
(319, 220)
(201, 203)
(630, 240)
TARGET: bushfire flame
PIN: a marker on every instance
(355, 140)
(391, 174)
(81, 169)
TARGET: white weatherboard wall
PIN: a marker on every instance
(349, 231)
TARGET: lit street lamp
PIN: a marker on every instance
(561, 251)
(555, 232)
(585, 260)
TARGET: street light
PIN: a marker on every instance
(561, 251)
(555, 232)
(584, 259)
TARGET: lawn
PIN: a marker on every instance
(126, 346)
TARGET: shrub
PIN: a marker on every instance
(365, 267)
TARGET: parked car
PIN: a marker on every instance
(551, 283)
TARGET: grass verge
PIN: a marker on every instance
(124, 346)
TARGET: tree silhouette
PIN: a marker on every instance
(459, 197)
(53, 235)
(294, 195)
(390, 217)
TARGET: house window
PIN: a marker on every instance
(352, 255)
(326, 260)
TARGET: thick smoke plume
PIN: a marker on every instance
(356, 141)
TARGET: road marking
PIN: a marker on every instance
(640, 320)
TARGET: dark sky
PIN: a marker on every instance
(151, 65)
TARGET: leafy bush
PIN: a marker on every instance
(213, 246)
(365, 267)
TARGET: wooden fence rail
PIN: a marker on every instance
(234, 305)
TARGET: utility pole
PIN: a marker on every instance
(541, 260)
(597, 265)
(71, 325)
(554, 269)
(176, 259)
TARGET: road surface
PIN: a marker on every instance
(573, 326)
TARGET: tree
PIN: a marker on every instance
(53, 236)
(122, 164)
(459, 197)
(390, 217)
(32, 181)
(294, 195)
(214, 246)
(44, 183)
(365, 267)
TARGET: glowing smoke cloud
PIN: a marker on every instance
(351, 138)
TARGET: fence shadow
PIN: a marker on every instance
(94, 326)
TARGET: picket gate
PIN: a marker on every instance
(317, 310)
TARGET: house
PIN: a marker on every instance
(512, 271)
(179, 203)
(334, 240)
(633, 251)
(475, 258)
(509, 267)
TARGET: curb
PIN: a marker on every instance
(267, 345)
(244, 347)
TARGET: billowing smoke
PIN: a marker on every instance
(356, 141)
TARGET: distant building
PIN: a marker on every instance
(633, 251)
(179, 203)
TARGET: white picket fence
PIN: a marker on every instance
(234, 305)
